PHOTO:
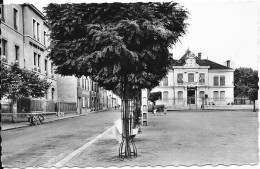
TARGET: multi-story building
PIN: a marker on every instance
(83, 91)
(24, 40)
(193, 82)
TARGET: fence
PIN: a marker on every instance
(34, 105)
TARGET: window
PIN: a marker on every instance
(38, 31)
(201, 78)
(222, 80)
(34, 59)
(222, 96)
(15, 19)
(180, 78)
(4, 47)
(215, 80)
(165, 81)
(44, 38)
(34, 29)
(165, 96)
(83, 102)
(52, 93)
(82, 84)
(190, 77)
(3, 13)
(46, 65)
(87, 84)
(180, 95)
(46, 95)
(78, 82)
(39, 60)
(215, 96)
(16, 52)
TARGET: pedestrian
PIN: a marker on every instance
(154, 111)
(115, 107)
(165, 111)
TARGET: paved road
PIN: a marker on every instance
(45, 145)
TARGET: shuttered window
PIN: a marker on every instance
(215, 80)
(190, 77)
(222, 80)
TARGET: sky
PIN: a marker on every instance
(221, 30)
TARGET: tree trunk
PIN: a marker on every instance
(14, 110)
(126, 115)
(254, 110)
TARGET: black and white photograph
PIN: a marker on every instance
(130, 84)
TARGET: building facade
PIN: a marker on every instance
(24, 40)
(83, 91)
(193, 82)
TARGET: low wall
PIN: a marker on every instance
(230, 107)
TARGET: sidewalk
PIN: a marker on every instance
(47, 119)
(193, 138)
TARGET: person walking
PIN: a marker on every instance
(165, 111)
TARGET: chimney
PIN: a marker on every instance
(199, 55)
(228, 63)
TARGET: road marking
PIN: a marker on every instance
(79, 150)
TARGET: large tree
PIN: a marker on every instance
(17, 83)
(121, 46)
(244, 78)
(154, 96)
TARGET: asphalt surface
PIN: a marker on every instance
(46, 144)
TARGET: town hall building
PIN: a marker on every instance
(194, 82)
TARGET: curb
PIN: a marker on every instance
(50, 121)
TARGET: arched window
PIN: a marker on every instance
(165, 96)
(165, 81)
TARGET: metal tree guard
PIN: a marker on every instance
(127, 137)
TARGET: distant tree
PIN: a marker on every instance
(121, 46)
(253, 95)
(243, 79)
(154, 96)
(17, 83)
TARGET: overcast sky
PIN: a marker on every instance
(221, 30)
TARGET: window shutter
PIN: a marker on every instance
(222, 80)
(215, 80)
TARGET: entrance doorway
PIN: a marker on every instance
(191, 96)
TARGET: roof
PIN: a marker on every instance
(201, 62)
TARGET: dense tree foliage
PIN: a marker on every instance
(109, 41)
(17, 83)
(154, 96)
(244, 80)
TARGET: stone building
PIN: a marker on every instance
(24, 40)
(193, 82)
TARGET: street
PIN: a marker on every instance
(46, 144)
